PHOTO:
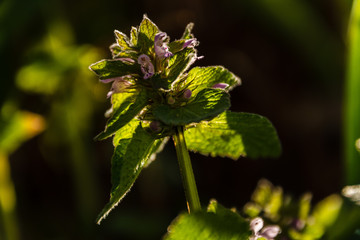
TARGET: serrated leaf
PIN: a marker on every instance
(187, 33)
(180, 62)
(117, 52)
(218, 223)
(124, 111)
(130, 156)
(114, 68)
(207, 104)
(146, 34)
(133, 36)
(233, 135)
(176, 45)
(122, 40)
(206, 77)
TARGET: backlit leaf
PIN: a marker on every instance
(124, 111)
(207, 104)
(130, 156)
(218, 223)
(233, 135)
(114, 68)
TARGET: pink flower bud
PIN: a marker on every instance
(155, 126)
(187, 94)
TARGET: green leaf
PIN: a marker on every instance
(233, 135)
(187, 33)
(117, 52)
(133, 36)
(122, 40)
(207, 104)
(146, 34)
(176, 46)
(180, 62)
(130, 156)
(125, 109)
(218, 223)
(206, 77)
(114, 68)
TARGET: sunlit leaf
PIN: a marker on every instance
(146, 34)
(208, 103)
(124, 112)
(233, 135)
(130, 156)
(218, 223)
(187, 33)
(122, 40)
(206, 77)
(114, 68)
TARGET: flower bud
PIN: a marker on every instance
(256, 224)
(187, 93)
(221, 85)
(155, 126)
(170, 100)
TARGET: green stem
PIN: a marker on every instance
(192, 197)
(352, 98)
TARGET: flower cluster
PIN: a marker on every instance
(259, 231)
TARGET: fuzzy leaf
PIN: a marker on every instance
(122, 40)
(206, 77)
(146, 34)
(125, 109)
(176, 45)
(218, 223)
(114, 68)
(130, 156)
(187, 33)
(207, 104)
(133, 36)
(233, 135)
(180, 62)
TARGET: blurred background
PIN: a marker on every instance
(290, 55)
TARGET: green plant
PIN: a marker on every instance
(155, 96)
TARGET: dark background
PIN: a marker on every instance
(290, 56)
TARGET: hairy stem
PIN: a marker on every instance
(191, 194)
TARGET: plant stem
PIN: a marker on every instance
(191, 194)
(352, 98)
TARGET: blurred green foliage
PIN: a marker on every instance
(298, 219)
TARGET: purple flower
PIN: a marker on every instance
(220, 85)
(190, 43)
(119, 84)
(187, 94)
(147, 68)
(268, 232)
(160, 46)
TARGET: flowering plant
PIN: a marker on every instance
(154, 96)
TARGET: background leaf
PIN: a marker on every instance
(208, 103)
(218, 223)
(233, 135)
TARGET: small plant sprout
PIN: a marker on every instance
(156, 96)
